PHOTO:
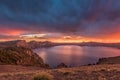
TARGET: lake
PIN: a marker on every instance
(75, 55)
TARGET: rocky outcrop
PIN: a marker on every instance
(22, 43)
(62, 65)
(110, 60)
(20, 56)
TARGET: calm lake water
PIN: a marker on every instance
(75, 55)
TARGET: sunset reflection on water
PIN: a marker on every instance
(75, 55)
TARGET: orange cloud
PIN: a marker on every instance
(12, 32)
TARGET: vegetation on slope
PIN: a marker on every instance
(42, 76)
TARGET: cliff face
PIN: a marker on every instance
(110, 60)
(22, 43)
(20, 56)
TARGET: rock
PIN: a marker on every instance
(62, 65)
(110, 60)
(20, 56)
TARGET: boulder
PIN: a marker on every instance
(62, 65)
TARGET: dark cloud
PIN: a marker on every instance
(77, 17)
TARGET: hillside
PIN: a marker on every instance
(106, 71)
(20, 56)
(109, 60)
(95, 72)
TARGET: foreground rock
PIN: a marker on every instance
(62, 65)
(110, 60)
(20, 56)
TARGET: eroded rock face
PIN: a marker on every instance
(110, 60)
(20, 56)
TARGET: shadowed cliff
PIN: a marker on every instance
(20, 56)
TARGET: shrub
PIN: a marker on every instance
(101, 78)
(42, 76)
(66, 73)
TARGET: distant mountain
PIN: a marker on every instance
(20, 56)
(15, 43)
(35, 44)
(94, 44)
(23, 43)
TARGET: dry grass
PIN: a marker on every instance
(101, 78)
(65, 72)
(96, 72)
(42, 76)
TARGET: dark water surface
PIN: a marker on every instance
(75, 55)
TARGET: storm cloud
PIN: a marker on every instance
(90, 18)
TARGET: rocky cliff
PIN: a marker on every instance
(20, 56)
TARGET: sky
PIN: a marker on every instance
(60, 20)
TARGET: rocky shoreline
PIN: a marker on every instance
(109, 60)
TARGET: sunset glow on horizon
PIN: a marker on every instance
(60, 21)
(14, 35)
